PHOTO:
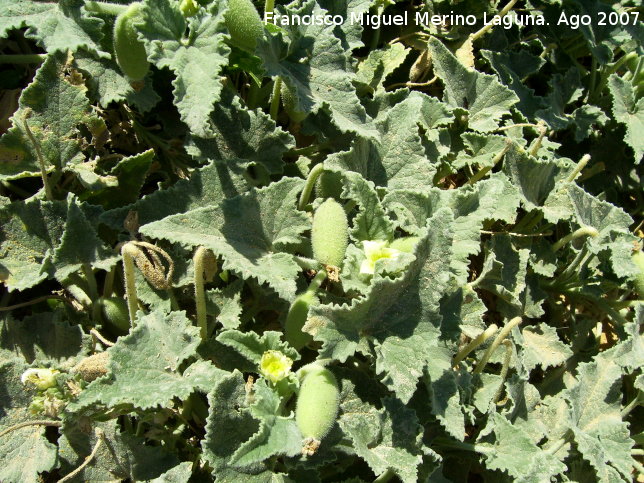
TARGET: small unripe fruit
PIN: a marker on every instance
(317, 406)
(244, 24)
(330, 233)
(296, 319)
(93, 367)
(288, 101)
(129, 50)
(189, 8)
(116, 313)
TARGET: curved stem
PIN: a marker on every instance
(632, 405)
(583, 231)
(474, 343)
(316, 282)
(386, 476)
(31, 302)
(269, 6)
(537, 145)
(88, 460)
(505, 331)
(312, 178)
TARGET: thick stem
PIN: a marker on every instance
(103, 8)
(488, 26)
(200, 295)
(275, 100)
(41, 159)
(108, 285)
(505, 331)
(537, 145)
(312, 178)
(583, 231)
(22, 58)
(386, 476)
(481, 173)
(128, 251)
(474, 343)
(316, 282)
(91, 282)
(632, 405)
(580, 165)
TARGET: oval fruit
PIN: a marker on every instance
(244, 24)
(330, 233)
(129, 50)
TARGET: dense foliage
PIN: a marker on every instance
(473, 295)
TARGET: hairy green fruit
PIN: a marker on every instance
(330, 233)
(129, 50)
(638, 260)
(317, 406)
(189, 8)
(288, 101)
(405, 244)
(116, 313)
(93, 367)
(244, 24)
(296, 319)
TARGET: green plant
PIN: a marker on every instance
(447, 221)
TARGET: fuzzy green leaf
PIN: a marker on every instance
(482, 95)
(196, 56)
(247, 232)
(143, 367)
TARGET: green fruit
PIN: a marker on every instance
(330, 233)
(296, 319)
(329, 185)
(638, 260)
(116, 313)
(244, 24)
(317, 405)
(288, 101)
(405, 244)
(189, 8)
(129, 50)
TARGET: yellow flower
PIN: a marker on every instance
(275, 366)
(42, 378)
(374, 251)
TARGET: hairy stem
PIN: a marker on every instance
(505, 331)
(101, 436)
(481, 173)
(478, 34)
(312, 178)
(200, 295)
(474, 343)
(583, 231)
(580, 165)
